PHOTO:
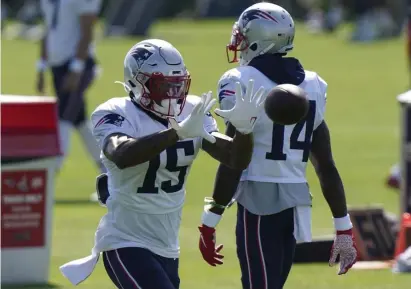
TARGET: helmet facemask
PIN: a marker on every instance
(163, 95)
(238, 43)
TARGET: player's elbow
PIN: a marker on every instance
(117, 159)
(124, 160)
(325, 167)
(120, 164)
(241, 152)
(237, 166)
(240, 162)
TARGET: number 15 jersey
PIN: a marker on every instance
(280, 152)
(156, 186)
(145, 203)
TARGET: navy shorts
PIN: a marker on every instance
(265, 248)
(72, 105)
(139, 268)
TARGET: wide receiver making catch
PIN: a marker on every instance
(274, 200)
(149, 141)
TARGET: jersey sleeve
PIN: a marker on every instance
(106, 122)
(88, 6)
(321, 102)
(226, 90)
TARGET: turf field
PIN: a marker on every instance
(362, 113)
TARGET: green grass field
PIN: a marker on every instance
(362, 113)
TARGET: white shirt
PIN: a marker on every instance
(145, 203)
(62, 18)
(280, 152)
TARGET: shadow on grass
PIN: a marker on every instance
(34, 286)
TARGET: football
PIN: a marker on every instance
(286, 104)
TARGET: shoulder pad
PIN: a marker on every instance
(323, 85)
(232, 75)
(113, 104)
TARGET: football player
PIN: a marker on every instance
(149, 142)
(68, 51)
(274, 200)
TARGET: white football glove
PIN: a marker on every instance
(193, 125)
(247, 108)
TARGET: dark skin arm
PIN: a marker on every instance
(126, 151)
(86, 25)
(227, 178)
(324, 165)
(87, 22)
(233, 151)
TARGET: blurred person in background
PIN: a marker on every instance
(323, 15)
(67, 49)
(28, 16)
(394, 177)
(374, 19)
(4, 15)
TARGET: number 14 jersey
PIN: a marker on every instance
(280, 152)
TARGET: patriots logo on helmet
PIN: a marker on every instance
(256, 14)
(111, 118)
(140, 55)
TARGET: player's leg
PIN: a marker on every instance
(251, 253)
(265, 259)
(110, 272)
(289, 244)
(77, 110)
(65, 125)
(82, 122)
(170, 265)
(251, 276)
(136, 268)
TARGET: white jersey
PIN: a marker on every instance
(280, 152)
(145, 203)
(62, 18)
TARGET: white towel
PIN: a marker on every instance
(78, 270)
(403, 262)
(302, 224)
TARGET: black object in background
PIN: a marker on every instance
(131, 17)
